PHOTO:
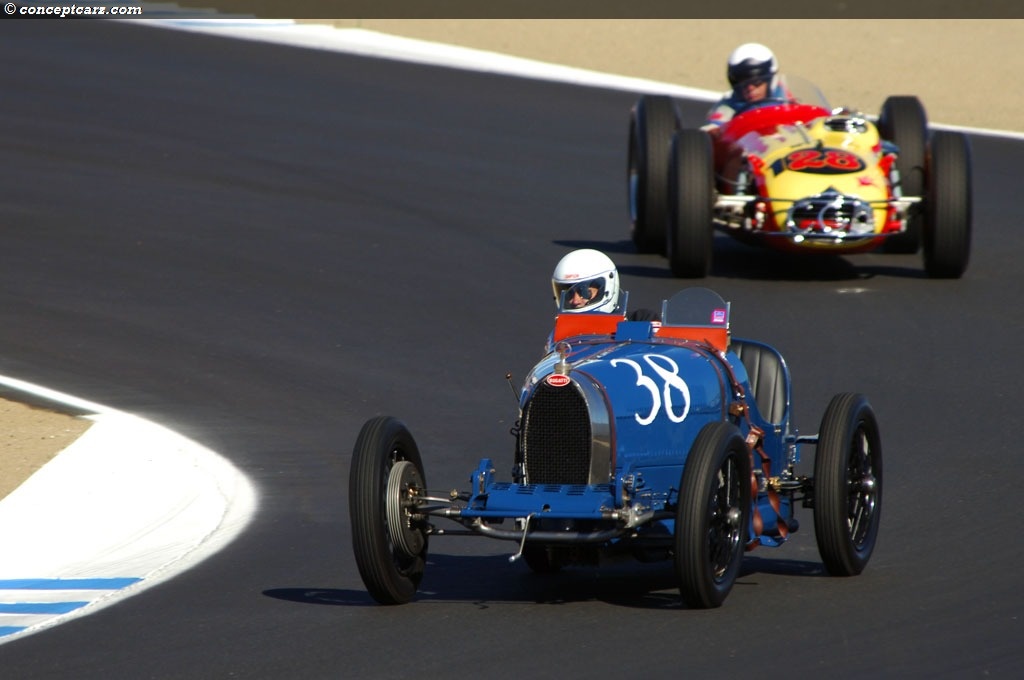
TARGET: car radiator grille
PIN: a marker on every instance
(556, 436)
(831, 212)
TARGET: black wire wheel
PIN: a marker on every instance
(712, 515)
(389, 536)
(847, 485)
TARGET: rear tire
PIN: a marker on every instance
(652, 122)
(847, 485)
(904, 123)
(691, 204)
(389, 541)
(712, 515)
(947, 234)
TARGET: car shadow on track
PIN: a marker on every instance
(738, 261)
(735, 260)
(488, 580)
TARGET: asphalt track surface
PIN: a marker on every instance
(260, 247)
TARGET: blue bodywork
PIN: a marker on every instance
(647, 390)
(657, 440)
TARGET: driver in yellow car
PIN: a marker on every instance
(753, 73)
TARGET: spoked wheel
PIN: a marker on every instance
(389, 538)
(847, 485)
(691, 203)
(904, 123)
(947, 232)
(712, 516)
(651, 125)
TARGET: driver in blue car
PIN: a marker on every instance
(587, 280)
(753, 73)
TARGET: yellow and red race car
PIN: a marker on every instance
(794, 174)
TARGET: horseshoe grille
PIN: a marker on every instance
(556, 437)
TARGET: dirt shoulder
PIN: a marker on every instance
(31, 436)
(960, 69)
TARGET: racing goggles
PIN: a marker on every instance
(581, 294)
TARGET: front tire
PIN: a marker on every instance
(652, 123)
(947, 234)
(903, 122)
(691, 204)
(712, 515)
(388, 538)
(847, 485)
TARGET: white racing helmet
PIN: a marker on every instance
(753, 61)
(585, 281)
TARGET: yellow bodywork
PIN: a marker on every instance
(801, 161)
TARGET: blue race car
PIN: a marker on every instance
(662, 439)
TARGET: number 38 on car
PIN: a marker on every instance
(664, 439)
